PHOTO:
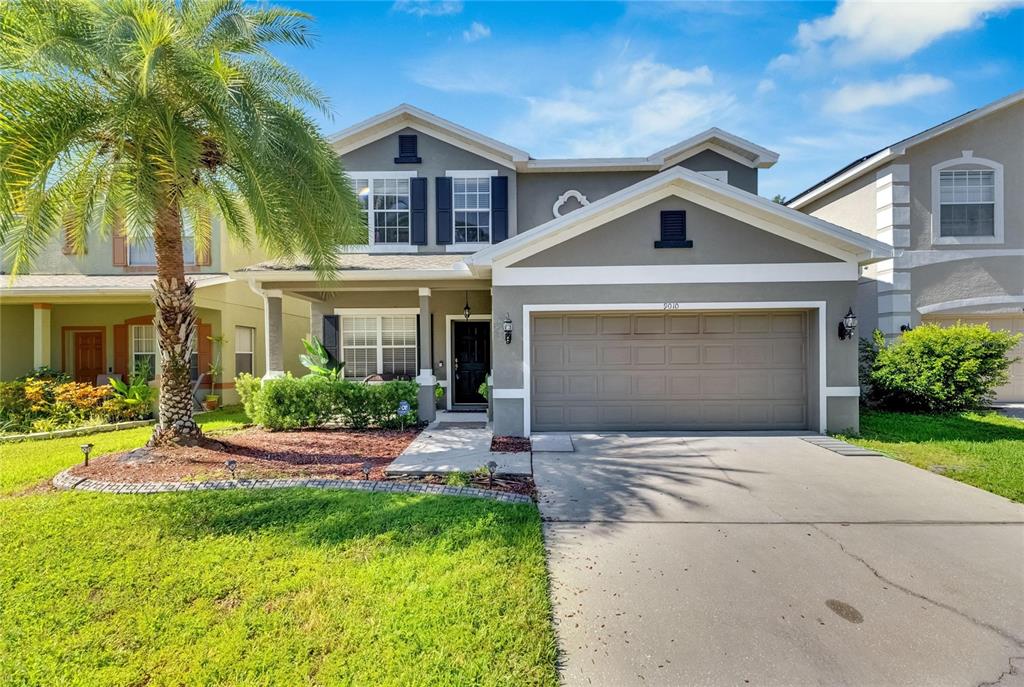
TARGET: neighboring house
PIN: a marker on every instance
(950, 201)
(92, 315)
(601, 294)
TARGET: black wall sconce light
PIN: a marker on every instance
(506, 327)
(847, 326)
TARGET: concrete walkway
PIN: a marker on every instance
(445, 446)
(733, 560)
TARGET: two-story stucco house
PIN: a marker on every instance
(92, 315)
(950, 201)
(655, 292)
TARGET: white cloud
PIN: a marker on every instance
(765, 86)
(428, 8)
(476, 31)
(876, 31)
(866, 95)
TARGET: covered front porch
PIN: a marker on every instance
(418, 316)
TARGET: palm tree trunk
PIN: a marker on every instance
(175, 332)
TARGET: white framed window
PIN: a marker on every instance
(967, 201)
(718, 175)
(471, 206)
(245, 350)
(385, 199)
(378, 342)
(143, 351)
(143, 252)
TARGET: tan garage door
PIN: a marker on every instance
(669, 371)
(1014, 391)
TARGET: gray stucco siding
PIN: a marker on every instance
(717, 239)
(740, 175)
(438, 158)
(962, 279)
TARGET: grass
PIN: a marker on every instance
(283, 587)
(26, 463)
(982, 449)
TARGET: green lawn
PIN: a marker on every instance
(983, 449)
(26, 463)
(277, 587)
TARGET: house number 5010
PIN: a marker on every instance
(671, 306)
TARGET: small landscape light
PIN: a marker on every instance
(231, 464)
(492, 467)
(86, 448)
(365, 467)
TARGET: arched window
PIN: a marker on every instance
(967, 201)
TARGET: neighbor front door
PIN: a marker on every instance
(471, 360)
(89, 361)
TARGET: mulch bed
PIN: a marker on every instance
(510, 445)
(339, 454)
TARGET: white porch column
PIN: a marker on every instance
(892, 203)
(273, 327)
(40, 335)
(426, 378)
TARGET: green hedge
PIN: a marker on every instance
(313, 401)
(937, 369)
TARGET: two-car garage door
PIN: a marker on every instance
(669, 370)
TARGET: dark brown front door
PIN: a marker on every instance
(88, 356)
(471, 360)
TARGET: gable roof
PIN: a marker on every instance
(880, 157)
(689, 185)
(734, 147)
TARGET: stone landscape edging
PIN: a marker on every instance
(65, 480)
(75, 431)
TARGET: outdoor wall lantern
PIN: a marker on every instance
(465, 310)
(506, 327)
(847, 326)
(85, 452)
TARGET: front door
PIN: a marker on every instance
(471, 360)
(89, 361)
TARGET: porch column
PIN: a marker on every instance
(317, 310)
(273, 326)
(426, 379)
(40, 335)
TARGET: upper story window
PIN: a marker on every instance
(385, 200)
(471, 205)
(967, 199)
(143, 252)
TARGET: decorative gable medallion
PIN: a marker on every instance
(557, 208)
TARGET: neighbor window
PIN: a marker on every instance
(143, 251)
(385, 203)
(245, 340)
(967, 202)
(472, 208)
(378, 344)
(143, 349)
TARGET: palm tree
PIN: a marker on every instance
(143, 112)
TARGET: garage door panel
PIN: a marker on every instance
(547, 325)
(680, 370)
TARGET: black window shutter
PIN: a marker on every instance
(418, 193)
(499, 209)
(408, 150)
(443, 191)
(330, 341)
(673, 230)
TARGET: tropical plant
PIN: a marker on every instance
(142, 113)
(318, 361)
(136, 396)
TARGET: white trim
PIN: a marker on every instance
(820, 306)
(448, 320)
(909, 259)
(761, 157)
(676, 274)
(843, 391)
(508, 393)
(721, 175)
(967, 158)
(464, 247)
(470, 173)
(378, 313)
(1007, 300)
(423, 291)
(411, 174)
(556, 209)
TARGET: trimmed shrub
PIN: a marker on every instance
(940, 369)
(314, 400)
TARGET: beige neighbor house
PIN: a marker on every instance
(92, 315)
(950, 202)
(645, 293)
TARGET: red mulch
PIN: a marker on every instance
(338, 454)
(510, 445)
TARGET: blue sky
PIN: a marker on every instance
(821, 83)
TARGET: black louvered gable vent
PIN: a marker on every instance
(408, 150)
(673, 230)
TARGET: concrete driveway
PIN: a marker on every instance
(734, 560)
